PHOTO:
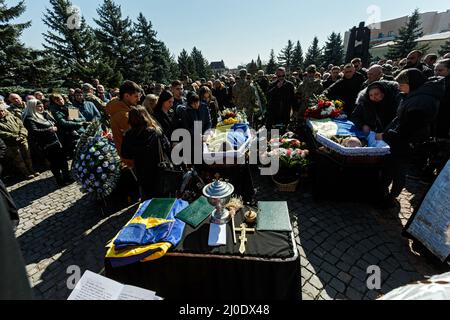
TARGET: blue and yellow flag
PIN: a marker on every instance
(148, 236)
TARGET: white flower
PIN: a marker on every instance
(88, 157)
(112, 167)
(82, 157)
(85, 171)
(91, 177)
(97, 153)
(97, 184)
(99, 170)
(104, 176)
(92, 150)
(101, 158)
(105, 164)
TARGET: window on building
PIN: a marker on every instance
(391, 34)
(381, 35)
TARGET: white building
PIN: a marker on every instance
(435, 24)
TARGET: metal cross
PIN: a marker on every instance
(243, 230)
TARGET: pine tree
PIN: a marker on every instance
(297, 57)
(286, 55)
(314, 54)
(186, 65)
(252, 67)
(11, 50)
(70, 41)
(115, 35)
(407, 39)
(259, 63)
(334, 50)
(271, 67)
(445, 48)
(200, 63)
(145, 39)
(40, 70)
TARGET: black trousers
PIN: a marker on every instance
(395, 171)
(58, 163)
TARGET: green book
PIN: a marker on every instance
(273, 216)
(158, 208)
(196, 213)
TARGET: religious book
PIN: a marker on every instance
(273, 216)
(158, 208)
(93, 286)
(196, 213)
(74, 114)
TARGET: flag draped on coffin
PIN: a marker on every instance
(150, 233)
(234, 137)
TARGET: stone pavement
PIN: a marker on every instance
(337, 241)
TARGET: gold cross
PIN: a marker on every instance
(243, 230)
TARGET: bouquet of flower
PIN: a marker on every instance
(232, 116)
(286, 143)
(321, 108)
(291, 158)
(97, 165)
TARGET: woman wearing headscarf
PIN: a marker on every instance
(42, 127)
(413, 125)
(376, 106)
(142, 144)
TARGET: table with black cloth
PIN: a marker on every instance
(193, 271)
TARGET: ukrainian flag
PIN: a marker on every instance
(150, 233)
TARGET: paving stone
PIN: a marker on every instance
(337, 285)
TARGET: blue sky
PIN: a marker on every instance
(237, 30)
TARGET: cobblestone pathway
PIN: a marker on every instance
(337, 241)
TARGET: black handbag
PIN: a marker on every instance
(170, 177)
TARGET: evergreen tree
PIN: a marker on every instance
(200, 63)
(145, 39)
(314, 54)
(186, 65)
(286, 56)
(259, 63)
(70, 41)
(161, 63)
(252, 67)
(271, 67)
(11, 50)
(407, 39)
(297, 57)
(40, 70)
(334, 50)
(115, 35)
(445, 48)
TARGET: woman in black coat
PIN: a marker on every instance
(142, 145)
(164, 114)
(376, 106)
(414, 124)
(42, 127)
(443, 123)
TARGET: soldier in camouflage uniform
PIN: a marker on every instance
(307, 89)
(14, 134)
(244, 96)
(16, 105)
(90, 96)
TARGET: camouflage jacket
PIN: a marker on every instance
(11, 129)
(244, 96)
(17, 110)
(306, 90)
(98, 103)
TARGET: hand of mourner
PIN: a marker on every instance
(379, 136)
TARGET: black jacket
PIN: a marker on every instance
(377, 115)
(165, 121)
(443, 120)
(190, 115)
(416, 116)
(346, 90)
(40, 130)
(280, 103)
(141, 146)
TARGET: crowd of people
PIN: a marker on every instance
(406, 102)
